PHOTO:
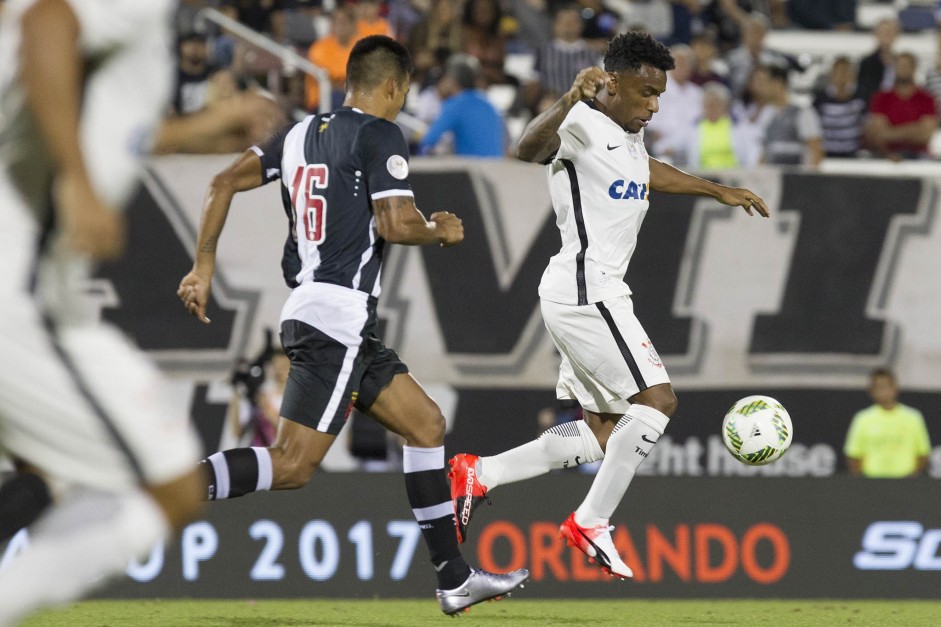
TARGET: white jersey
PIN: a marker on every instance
(76, 399)
(125, 95)
(599, 182)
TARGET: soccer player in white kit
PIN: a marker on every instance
(83, 84)
(600, 178)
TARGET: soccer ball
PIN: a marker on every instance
(757, 430)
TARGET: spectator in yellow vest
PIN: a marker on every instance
(715, 143)
(887, 440)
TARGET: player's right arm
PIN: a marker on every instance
(540, 139)
(52, 76)
(245, 174)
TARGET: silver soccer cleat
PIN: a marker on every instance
(480, 586)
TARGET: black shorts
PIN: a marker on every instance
(328, 378)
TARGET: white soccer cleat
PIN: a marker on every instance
(595, 542)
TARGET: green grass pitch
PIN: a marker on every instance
(510, 612)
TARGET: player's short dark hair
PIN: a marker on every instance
(633, 49)
(376, 58)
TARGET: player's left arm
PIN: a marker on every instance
(666, 178)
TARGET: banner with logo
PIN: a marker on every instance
(352, 535)
(844, 277)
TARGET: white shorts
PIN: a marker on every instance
(77, 400)
(606, 356)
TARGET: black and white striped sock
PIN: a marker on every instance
(430, 498)
(237, 472)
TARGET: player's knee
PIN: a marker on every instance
(666, 402)
(659, 397)
(428, 431)
(291, 472)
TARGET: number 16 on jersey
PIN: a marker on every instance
(311, 208)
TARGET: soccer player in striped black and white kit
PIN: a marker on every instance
(345, 189)
(600, 177)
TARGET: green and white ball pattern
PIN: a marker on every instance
(757, 430)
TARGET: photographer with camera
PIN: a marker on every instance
(257, 388)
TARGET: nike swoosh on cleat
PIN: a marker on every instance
(599, 554)
(459, 594)
(643, 437)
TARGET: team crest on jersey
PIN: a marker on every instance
(397, 167)
(627, 190)
(652, 356)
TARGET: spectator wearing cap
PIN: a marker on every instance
(466, 114)
(198, 81)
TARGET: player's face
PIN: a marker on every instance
(636, 96)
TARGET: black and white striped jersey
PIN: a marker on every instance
(331, 167)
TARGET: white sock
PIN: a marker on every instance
(630, 442)
(81, 543)
(563, 446)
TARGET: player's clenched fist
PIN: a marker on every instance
(588, 82)
(449, 227)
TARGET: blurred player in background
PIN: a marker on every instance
(592, 142)
(82, 88)
(345, 188)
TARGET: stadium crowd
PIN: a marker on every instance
(733, 100)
